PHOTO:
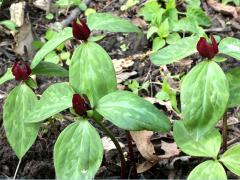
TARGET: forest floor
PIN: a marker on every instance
(133, 51)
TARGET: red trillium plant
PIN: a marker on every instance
(205, 94)
(21, 70)
(80, 105)
(80, 30)
(207, 50)
(78, 151)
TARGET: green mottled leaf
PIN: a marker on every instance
(204, 97)
(149, 10)
(78, 152)
(50, 69)
(230, 46)
(231, 159)
(158, 43)
(234, 87)
(207, 145)
(52, 44)
(108, 22)
(130, 112)
(17, 106)
(199, 15)
(7, 76)
(91, 71)
(208, 170)
(175, 52)
(55, 99)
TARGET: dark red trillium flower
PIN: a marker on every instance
(80, 104)
(80, 31)
(21, 70)
(207, 50)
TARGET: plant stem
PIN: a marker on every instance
(131, 154)
(15, 174)
(119, 149)
(224, 132)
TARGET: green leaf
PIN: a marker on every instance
(130, 112)
(199, 15)
(207, 145)
(91, 72)
(7, 76)
(151, 31)
(234, 87)
(108, 22)
(31, 83)
(231, 159)
(204, 97)
(230, 46)
(9, 24)
(78, 152)
(55, 99)
(50, 69)
(149, 10)
(18, 104)
(173, 38)
(51, 45)
(163, 30)
(96, 38)
(208, 170)
(188, 24)
(193, 3)
(158, 43)
(175, 52)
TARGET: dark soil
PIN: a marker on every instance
(38, 162)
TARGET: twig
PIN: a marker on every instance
(15, 174)
(74, 14)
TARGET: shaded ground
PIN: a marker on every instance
(38, 162)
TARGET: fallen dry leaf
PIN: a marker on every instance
(145, 166)
(146, 149)
(109, 145)
(144, 145)
(170, 149)
(226, 9)
(24, 39)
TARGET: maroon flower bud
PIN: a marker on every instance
(207, 50)
(80, 104)
(80, 31)
(21, 70)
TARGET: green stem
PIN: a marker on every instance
(119, 149)
(15, 174)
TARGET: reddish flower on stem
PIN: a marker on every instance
(21, 70)
(207, 50)
(80, 104)
(80, 30)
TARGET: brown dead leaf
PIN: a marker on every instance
(146, 149)
(124, 76)
(145, 166)
(24, 39)
(170, 149)
(144, 145)
(140, 22)
(226, 9)
(109, 145)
